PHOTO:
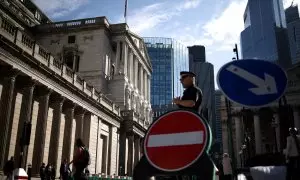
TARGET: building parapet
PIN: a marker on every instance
(67, 25)
(13, 34)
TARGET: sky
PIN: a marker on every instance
(216, 24)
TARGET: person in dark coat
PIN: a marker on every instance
(9, 168)
(43, 172)
(64, 170)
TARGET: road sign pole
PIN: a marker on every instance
(229, 129)
(229, 119)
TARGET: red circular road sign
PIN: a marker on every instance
(176, 140)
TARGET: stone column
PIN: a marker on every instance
(55, 131)
(69, 117)
(122, 150)
(277, 130)
(117, 60)
(137, 150)
(141, 75)
(296, 112)
(5, 111)
(257, 132)
(145, 93)
(79, 117)
(130, 154)
(130, 67)
(127, 99)
(238, 137)
(124, 58)
(25, 116)
(136, 66)
(149, 88)
(39, 142)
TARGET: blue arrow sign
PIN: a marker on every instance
(251, 82)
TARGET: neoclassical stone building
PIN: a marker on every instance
(84, 78)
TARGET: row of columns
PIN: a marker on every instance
(239, 136)
(128, 64)
(38, 142)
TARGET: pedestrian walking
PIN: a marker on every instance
(9, 168)
(293, 155)
(80, 161)
(227, 168)
(43, 172)
(64, 170)
(48, 172)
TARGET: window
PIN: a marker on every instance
(106, 65)
(37, 15)
(69, 59)
(71, 39)
(77, 59)
(112, 72)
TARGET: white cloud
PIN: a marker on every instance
(287, 3)
(150, 16)
(59, 8)
(225, 29)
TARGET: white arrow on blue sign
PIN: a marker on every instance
(252, 82)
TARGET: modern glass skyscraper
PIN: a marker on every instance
(168, 58)
(265, 35)
(293, 25)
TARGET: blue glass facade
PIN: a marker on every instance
(265, 26)
(168, 58)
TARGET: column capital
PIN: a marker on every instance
(43, 91)
(79, 111)
(9, 72)
(69, 105)
(26, 82)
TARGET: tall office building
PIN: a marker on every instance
(218, 96)
(205, 81)
(293, 26)
(265, 34)
(197, 54)
(168, 58)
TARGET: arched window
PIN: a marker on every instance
(112, 71)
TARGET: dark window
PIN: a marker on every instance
(112, 72)
(71, 39)
(69, 58)
(77, 63)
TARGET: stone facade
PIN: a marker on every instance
(67, 97)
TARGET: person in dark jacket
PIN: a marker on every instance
(43, 172)
(192, 95)
(9, 168)
(64, 170)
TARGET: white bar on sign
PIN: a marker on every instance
(176, 139)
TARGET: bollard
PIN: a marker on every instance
(29, 171)
(20, 174)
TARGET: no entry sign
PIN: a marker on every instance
(176, 140)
